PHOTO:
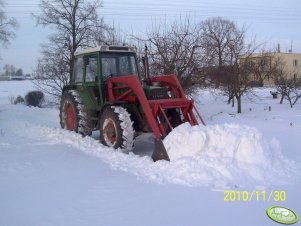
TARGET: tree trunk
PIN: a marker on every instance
(282, 97)
(74, 38)
(291, 103)
(289, 100)
(233, 102)
(71, 67)
(295, 101)
(229, 100)
(261, 82)
(238, 98)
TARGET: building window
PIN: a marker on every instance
(295, 63)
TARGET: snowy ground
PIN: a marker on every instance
(49, 176)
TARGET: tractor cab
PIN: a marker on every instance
(93, 67)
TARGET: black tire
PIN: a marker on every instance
(82, 122)
(116, 128)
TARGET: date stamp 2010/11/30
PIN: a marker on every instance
(255, 195)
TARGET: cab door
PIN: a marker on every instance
(89, 89)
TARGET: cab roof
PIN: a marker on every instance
(106, 49)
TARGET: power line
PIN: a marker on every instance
(184, 7)
(130, 11)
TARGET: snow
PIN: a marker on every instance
(51, 176)
(229, 154)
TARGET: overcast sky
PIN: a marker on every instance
(272, 21)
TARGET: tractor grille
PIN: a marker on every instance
(156, 93)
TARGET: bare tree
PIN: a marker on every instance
(217, 35)
(293, 93)
(107, 35)
(235, 82)
(240, 82)
(7, 26)
(19, 72)
(76, 25)
(52, 72)
(289, 88)
(173, 49)
(224, 44)
(9, 70)
(264, 66)
(280, 78)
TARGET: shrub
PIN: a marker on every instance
(11, 99)
(34, 98)
(16, 100)
(19, 100)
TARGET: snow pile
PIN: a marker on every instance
(228, 141)
(184, 141)
(229, 154)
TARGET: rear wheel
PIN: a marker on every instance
(116, 128)
(73, 114)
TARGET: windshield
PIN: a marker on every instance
(118, 64)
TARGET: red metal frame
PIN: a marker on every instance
(153, 108)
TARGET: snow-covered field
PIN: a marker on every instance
(50, 176)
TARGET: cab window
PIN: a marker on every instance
(91, 68)
(118, 64)
(79, 69)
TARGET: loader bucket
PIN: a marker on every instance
(160, 152)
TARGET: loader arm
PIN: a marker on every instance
(154, 109)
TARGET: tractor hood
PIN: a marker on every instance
(155, 92)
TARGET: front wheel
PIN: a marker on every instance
(116, 128)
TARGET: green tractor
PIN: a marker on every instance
(108, 93)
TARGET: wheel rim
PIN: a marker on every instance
(70, 117)
(109, 132)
